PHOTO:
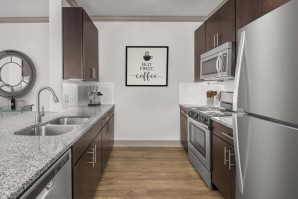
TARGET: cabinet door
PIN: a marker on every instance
(200, 48)
(246, 12)
(104, 147)
(111, 132)
(233, 175)
(211, 31)
(221, 27)
(220, 171)
(83, 176)
(266, 6)
(72, 43)
(183, 132)
(90, 49)
(97, 164)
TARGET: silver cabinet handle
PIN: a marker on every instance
(95, 153)
(225, 156)
(217, 39)
(227, 135)
(230, 154)
(93, 159)
(213, 40)
(92, 72)
(50, 184)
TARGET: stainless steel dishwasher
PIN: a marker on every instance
(55, 183)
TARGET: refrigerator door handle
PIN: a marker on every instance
(237, 155)
(238, 70)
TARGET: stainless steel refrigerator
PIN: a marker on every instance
(266, 99)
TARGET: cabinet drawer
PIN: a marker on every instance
(107, 117)
(82, 144)
(223, 132)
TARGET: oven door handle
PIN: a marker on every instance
(197, 123)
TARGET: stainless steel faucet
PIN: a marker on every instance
(40, 114)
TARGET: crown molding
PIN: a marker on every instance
(149, 18)
(72, 3)
(24, 19)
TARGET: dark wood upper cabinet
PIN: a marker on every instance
(246, 12)
(80, 45)
(250, 10)
(266, 6)
(200, 48)
(221, 27)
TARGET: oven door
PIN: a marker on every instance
(199, 141)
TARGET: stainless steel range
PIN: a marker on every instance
(199, 134)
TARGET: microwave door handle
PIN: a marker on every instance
(220, 63)
(217, 66)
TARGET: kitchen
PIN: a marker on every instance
(137, 119)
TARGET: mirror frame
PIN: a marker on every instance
(29, 86)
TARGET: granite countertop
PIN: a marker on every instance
(191, 105)
(24, 158)
(227, 121)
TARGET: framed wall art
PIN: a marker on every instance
(147, 65)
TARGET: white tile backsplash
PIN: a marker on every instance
(195, 93)
(76, 93)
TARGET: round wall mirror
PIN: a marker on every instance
(17, 74)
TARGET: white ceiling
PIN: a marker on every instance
(131, 8)
(149, 7)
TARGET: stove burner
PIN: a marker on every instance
(212, 111)
(203, 114)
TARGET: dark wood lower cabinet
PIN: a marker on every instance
(82, 175)
(107, 141)
(88, 169)
(97, 163)
(223, 172)
(183, 128)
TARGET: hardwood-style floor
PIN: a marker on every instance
(151, 173)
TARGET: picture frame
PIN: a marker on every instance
(147, 66)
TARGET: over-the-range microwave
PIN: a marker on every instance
(218, 63)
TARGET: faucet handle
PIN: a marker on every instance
(42, 113)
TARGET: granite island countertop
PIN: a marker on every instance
(24, 158)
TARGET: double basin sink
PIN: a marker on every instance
(58, 126)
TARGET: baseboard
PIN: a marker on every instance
(147, 143)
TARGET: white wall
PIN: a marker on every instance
(55, 52)
(33, 40)
(146, 113)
